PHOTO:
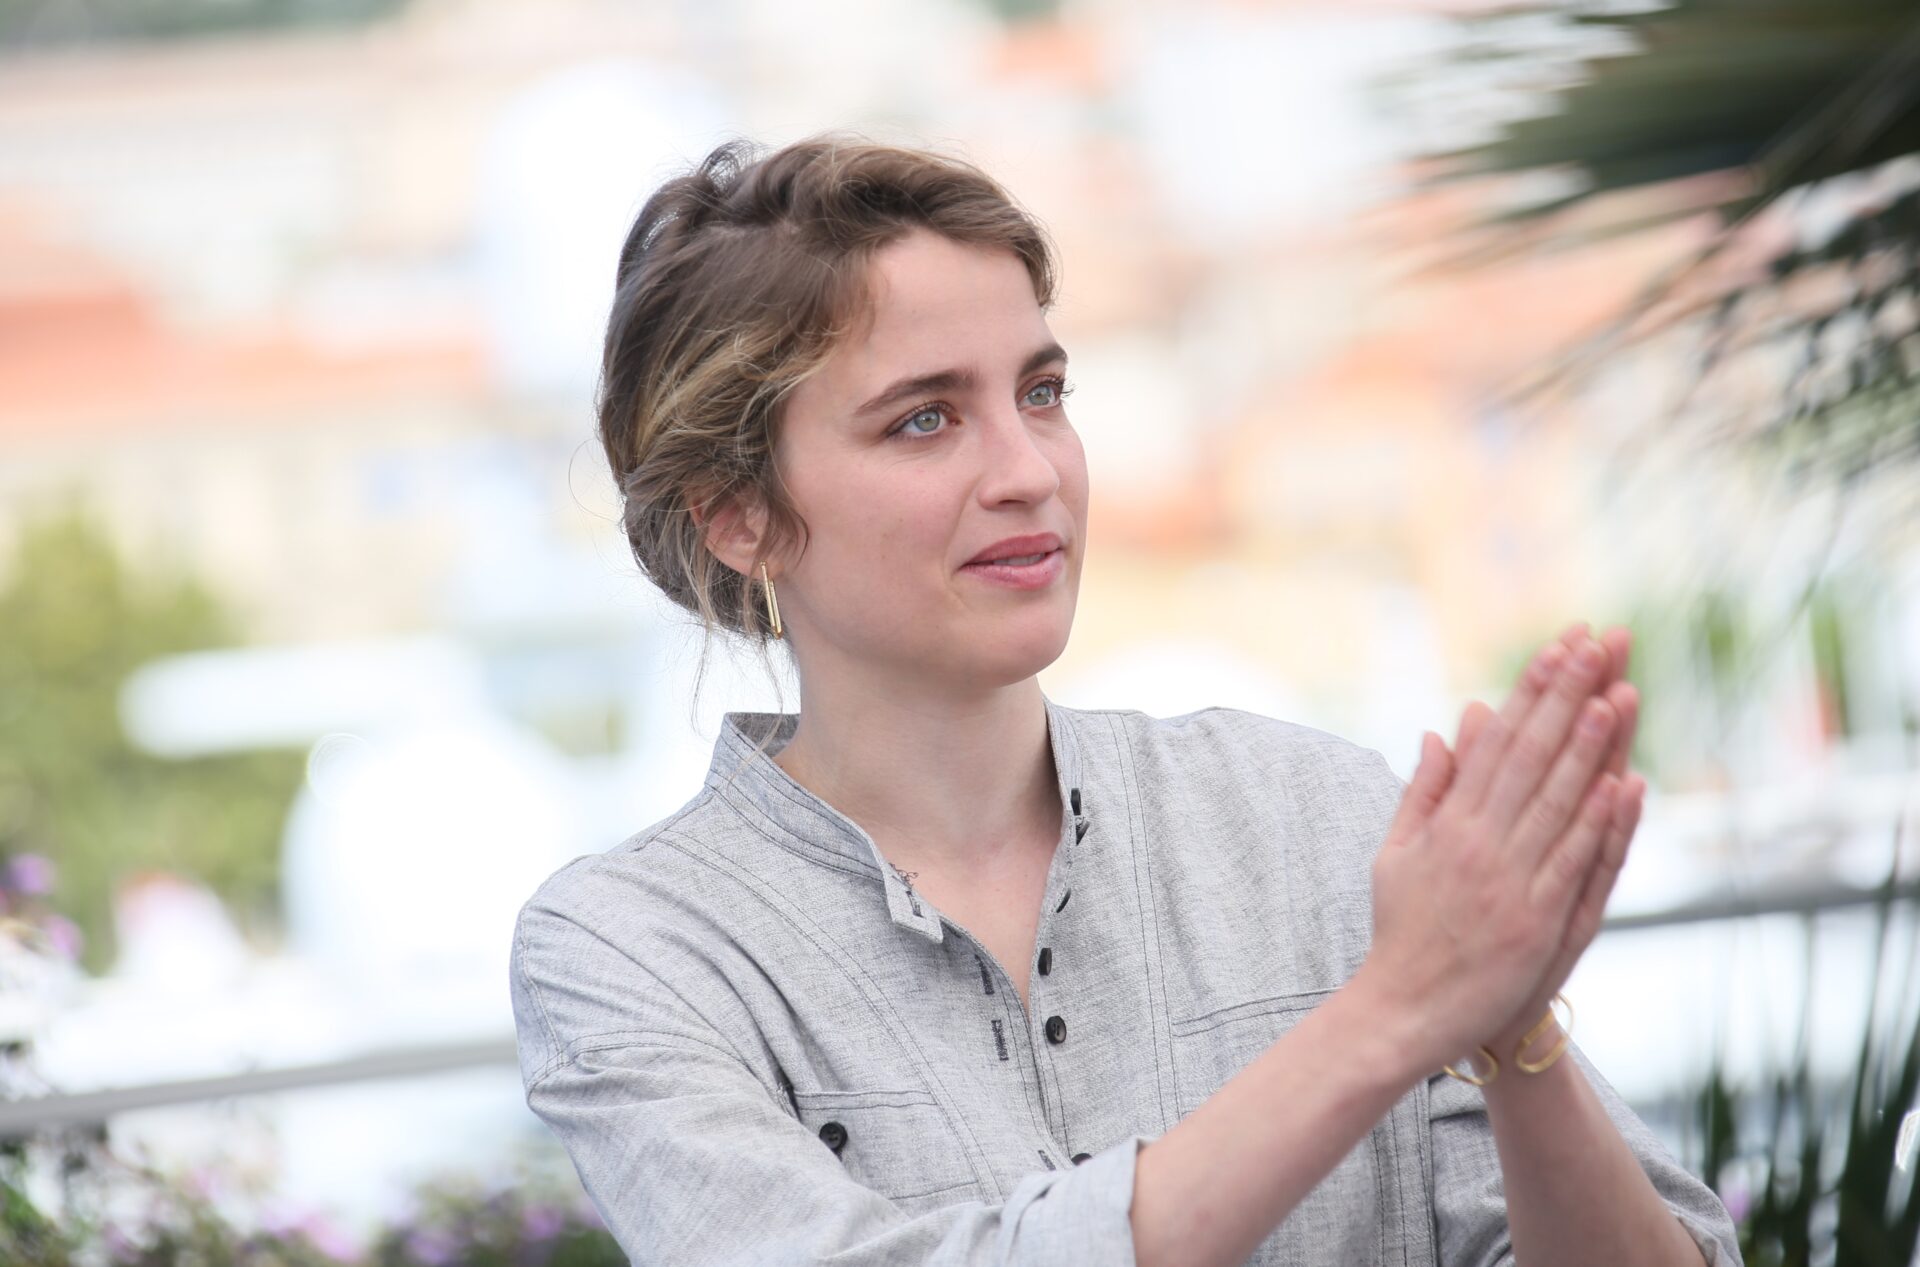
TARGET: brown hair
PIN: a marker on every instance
(736, 282)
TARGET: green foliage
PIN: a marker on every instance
(1700, 661)
(75, 620)
(1804, 118)
(1793, 91)
(1015, 12)
(47, 23)
(1865, 1212)
(28, 1237)
(469, 1224)
(538, 1219)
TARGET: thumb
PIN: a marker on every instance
(1430, 782)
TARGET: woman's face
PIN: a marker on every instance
(927, 439)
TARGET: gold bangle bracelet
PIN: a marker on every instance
(1559, 1048)
(1493, 1064)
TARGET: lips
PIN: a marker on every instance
(1018, 550)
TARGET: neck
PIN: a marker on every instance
(942, 785)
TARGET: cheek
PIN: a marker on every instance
(895, 517)
(1070, 460)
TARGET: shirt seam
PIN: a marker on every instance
(540, 1008)
(839, 862)
(786, 794)
(1148, 910)
(641, 839)
(869, 992)
(564, 1055)
(621, 1038)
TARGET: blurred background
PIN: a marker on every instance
(1405, 335)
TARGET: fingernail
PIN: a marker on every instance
(1593, 719)
(1591, 656)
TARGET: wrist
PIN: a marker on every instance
(1398, 1032)
(1536, 1040)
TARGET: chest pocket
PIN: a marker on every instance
(898, 1143)
(1372, 1209)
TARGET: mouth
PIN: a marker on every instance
(1021, 551)
(1021, 571)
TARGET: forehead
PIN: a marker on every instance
(934, 303)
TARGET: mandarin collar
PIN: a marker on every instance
(754, 784)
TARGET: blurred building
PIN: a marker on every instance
(276, 302)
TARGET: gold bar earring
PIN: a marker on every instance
(773, 604)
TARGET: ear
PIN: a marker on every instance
(734, 528)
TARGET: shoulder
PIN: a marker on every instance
(596, 893)
(591, 946)
(1222, 748)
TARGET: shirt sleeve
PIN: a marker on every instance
(1469, 1199)
(692, 1157)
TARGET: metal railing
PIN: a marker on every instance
(24, 1117)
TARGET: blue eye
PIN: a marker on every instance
(937, 412)
(1057, 386)
(929, 411)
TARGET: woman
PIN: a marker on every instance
(937, 970)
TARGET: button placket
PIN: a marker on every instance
(1055, 1027)
(1000, 1041)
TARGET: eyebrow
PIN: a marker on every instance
(919, 385)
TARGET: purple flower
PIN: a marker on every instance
(430, 1246)
(64, 935)
(118, 1244)
(1738, 1200)
(327, 1238)
(30, 873)
(541, 1222)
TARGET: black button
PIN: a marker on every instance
(1056, 1029)
(1063, 901)
(1046, 960)
(1074, 796)
(1080, 830)
(1080, 1157)
(834, 1136)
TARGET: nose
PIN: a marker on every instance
(1014, 467)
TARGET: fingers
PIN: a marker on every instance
(1592, 908)
(1539, 674)
(1541, 670)
(1537, 743)
(1618, 642)
(1481, 728)
(1625, 699)
(1559, 882)
(1557, 799)
(1473, 720)
(1429, 783)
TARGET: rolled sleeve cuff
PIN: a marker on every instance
(1715, 1247)
(1081, 1215)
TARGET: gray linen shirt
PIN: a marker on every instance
(760, 1046)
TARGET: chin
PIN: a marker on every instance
(1015, 656)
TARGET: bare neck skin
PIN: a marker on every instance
(952, 787)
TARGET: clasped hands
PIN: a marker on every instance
(1495, 872)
